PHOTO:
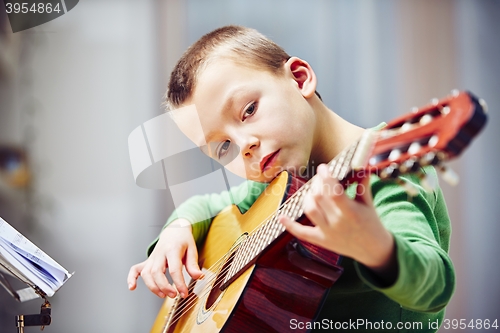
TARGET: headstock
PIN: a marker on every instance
(430, 135)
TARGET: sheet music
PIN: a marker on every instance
(29, 263)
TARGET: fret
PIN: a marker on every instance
(267, 228)
(260, 240)
(340, 161)
(284, 210)
(254, 249)
(331, 166)
(291, 208)
(276, 231)
(300, 200)
(346, 167)
(296, 203)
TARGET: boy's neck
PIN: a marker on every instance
(332, 135)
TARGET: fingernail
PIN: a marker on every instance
(129, 285)
(183, 295)
(162, 295)
(322, 169)
(172, 295)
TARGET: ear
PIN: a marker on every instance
(303, 75)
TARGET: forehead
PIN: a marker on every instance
(220, 69)
(221, 86)
(188, 121)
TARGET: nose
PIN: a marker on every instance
(249, 146)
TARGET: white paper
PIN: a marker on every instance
(35, 267)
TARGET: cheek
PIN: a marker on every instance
(239, 168)
(292, 116)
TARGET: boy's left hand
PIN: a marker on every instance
(348, 227)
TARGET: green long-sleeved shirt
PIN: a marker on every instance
(421, 229)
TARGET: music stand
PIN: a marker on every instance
(43, 318)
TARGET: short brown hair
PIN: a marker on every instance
(243, 45)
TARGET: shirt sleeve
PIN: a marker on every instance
(421, 228)
(199, 210)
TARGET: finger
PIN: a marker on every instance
(175, 269)
(158, 270)
(305, 233)
(192, 266)
(313, 211)
(364, 191)
(133, 274)
(332, 189)
(149, 281)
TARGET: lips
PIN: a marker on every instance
(268, 160)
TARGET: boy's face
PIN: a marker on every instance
(255, 123)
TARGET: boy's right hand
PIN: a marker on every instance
(175, 248)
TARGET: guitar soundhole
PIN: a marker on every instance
(216, 291)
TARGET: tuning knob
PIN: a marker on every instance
(426, 119)
(428, 183)
(449, 176)
(483, 104)
(410, 165)
(429, 158)
(409, 188)
(391, 171)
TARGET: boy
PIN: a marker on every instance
(260, 114)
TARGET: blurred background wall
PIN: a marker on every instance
(73, 89)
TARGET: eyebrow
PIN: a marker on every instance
(228, 105)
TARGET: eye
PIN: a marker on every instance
(223, 149)
(250, 110)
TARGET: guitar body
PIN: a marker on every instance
(281, 285)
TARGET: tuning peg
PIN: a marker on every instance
(414, 148)
(389, 172)
(483, 104)
(409, 188)
(425, 119)
(429, 158)
(406, 127)
(394, 155)
(445, 110)
(449, 176)
(433, 141)
(409, 165)
(428, 183)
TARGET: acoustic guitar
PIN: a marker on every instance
(257, 276)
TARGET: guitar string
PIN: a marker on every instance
(207, 287)
(188, 305)
(191, 299)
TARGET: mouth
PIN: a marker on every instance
(269, 160)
